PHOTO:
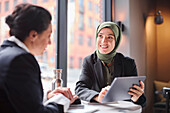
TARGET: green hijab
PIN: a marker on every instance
(107, 58)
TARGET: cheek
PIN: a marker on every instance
(113, 44)
(97, 44)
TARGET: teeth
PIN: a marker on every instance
(103, 46)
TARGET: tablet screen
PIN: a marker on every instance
(120, 87)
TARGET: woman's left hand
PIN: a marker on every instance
(137, 92)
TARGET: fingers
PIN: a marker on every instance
(102, 93)
(142, 85)
(73, 99)
(66, 92)
(136, 91)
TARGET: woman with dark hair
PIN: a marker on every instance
(20, 81)
(100, 68)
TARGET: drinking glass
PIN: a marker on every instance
(57, 81)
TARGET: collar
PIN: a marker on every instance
(18, 42)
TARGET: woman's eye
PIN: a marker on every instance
(110, 37)
(100, 36)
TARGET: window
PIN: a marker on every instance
(81, 21)
(89, 41)
(96, 8)
(96, 23)
(34, 1)
(80, 62)
(71, 62)
(90, 5)
(71, 38)
(6, 6)
(15, 3)
(45, 0)
(90, 22)
(81, 6)
(24, 1)
(80, 40)
(84, 38)
(0, 7)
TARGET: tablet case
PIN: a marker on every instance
(120, 87)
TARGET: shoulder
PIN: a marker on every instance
(14, 53)
(120, 56)
(124, 60)
(128, 64)
(92, 58)
(9, 48)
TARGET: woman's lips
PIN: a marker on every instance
(103, 46)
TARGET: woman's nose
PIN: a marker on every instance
(49, 42)
(104, 39)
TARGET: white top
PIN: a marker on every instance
(18, 42)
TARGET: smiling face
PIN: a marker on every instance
(105, 41)
(40, 41)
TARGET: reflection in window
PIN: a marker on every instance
(6, 6)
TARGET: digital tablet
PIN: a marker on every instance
(120, 87)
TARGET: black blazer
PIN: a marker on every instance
(91, 80)
(20, 82)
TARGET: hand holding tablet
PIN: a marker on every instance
(120, 87)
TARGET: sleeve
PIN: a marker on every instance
(84, 85)
(59, 99)
(24, 88)
(141, 101)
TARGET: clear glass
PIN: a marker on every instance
(83, 18)
(57, 81)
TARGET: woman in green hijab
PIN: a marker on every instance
(100, 68)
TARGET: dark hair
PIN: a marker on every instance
(27, 17)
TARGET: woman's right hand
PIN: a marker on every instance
(65, 91)
(101, 94)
